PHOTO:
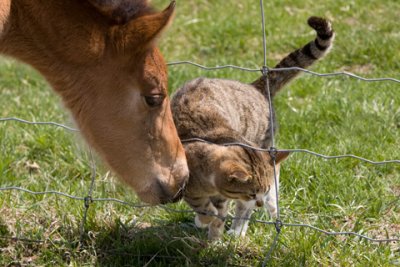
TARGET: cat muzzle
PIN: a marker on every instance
(259, 203)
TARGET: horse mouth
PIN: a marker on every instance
(165, 193)
(179, 195)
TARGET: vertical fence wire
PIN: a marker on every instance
(87, 200)
(272, 133)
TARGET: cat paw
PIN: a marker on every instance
(272, 208)
(236, 233)
(273, 213)
(198, 222)
(232, 232)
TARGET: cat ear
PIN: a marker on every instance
(238, 174)
(280, 156)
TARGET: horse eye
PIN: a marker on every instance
(154, 100)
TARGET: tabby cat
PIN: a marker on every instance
(225, 111)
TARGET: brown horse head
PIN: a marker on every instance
(100, 56)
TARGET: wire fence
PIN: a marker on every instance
(89, 199)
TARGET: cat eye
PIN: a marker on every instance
(154, 100)
(252, 196)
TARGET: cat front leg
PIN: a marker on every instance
(201, 221)
(205, 210)
(270, 201)
(216, 227)
(270, 198)
(242, 215)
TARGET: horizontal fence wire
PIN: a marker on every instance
(165, 207)
(89, 199)
(332, 74)
(298, 150)
(40, 123)
(270, 150)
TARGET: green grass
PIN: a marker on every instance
(336, 115)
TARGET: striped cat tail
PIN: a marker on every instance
(302, 58)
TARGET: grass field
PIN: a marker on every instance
(332, 116)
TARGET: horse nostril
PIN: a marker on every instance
(163, 193)
(181, 174)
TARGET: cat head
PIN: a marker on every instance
(247, 174)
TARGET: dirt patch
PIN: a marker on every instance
(360, 69)
(387, 231)
(396, 190)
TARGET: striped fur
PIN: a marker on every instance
(302, 58)
(225, 111)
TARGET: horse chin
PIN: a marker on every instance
(162, 193)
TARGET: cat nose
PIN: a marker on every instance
(259, 203)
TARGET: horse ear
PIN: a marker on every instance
(120, 11)
(147, 28)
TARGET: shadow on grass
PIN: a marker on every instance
(168, 244)
(172, 241)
